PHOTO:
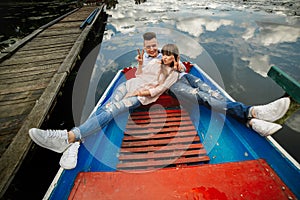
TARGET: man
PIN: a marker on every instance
(192, 89)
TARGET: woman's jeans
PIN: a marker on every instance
(189, 89)
(104, 114)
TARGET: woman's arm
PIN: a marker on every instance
(171, 79)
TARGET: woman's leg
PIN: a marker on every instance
(196, 82)
(104, 115)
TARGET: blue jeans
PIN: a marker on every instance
(104, 114)
(192, 89)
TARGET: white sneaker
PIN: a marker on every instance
(272, 111)
(55, 140)
(264, 128)
(69, 158)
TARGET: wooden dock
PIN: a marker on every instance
(31, 75)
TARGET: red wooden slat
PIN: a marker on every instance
(161, 142)
(157, 130)
(153, 155)
(162, 148)
(152, 163)
(153, 125)
(160, 135)
(157, 120)
(159, 112)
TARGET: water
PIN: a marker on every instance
(243, 41)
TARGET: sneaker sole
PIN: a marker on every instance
(274, 130)
(40, 144)
(68, 167)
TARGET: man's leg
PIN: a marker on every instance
(189, 95)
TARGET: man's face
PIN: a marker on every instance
(151, 47)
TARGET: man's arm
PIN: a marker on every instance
(140, 61)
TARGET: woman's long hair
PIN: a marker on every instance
(168, 49)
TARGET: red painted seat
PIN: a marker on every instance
(238, 180)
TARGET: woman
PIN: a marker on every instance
(149, 84)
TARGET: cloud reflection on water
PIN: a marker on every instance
(272, 33)
(194, 26)
(243, 43)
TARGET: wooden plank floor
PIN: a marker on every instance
(160, 139)
(30, 80)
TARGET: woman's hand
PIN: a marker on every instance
(131, 94)
(177, 66)
(138, 93)
(143, 93)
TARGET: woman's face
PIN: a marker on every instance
(168, 59)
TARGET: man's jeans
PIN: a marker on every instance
(104, 114)
(190, 89)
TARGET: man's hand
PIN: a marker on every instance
(140, 57)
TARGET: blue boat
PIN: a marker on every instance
(166, 151)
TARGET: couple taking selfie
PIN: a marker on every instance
(158, 71)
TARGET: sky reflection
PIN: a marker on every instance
(243, 44)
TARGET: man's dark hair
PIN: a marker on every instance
(149, 35)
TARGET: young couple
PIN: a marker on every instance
(157, 72)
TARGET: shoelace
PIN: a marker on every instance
(264, 111)
(55, 134)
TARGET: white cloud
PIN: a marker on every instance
(249, 33)
(213, 25)
(194, 26)
(274, 34)
(259, 64)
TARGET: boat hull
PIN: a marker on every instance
(235, 151)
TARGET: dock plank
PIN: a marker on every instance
(19, 109)
(14, 98)
(12, 69)
(60, 33)
(31, 76)
(20, 78)
(45, 41)
(24, 76)
(45, 50)
(22, 61)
